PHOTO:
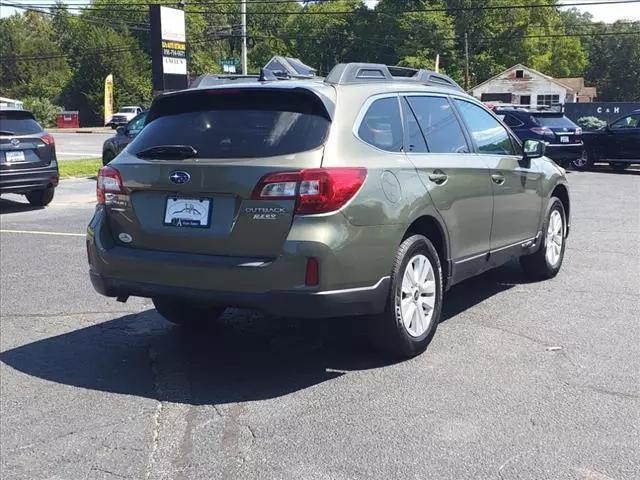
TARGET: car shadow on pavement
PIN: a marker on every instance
(245, 356)
(11, 206)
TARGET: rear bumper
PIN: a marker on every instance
(564, 151)
(348, 285)
(321, 304)
(28, 179)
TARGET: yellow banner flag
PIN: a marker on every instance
(108, 98)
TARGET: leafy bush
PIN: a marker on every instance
(591, 123)
(43, 109)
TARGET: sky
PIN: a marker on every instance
(601, 13)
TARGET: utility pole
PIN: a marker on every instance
(243, 33)
(466, 61)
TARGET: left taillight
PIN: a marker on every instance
(48, 139)
(109, 182)
(315, 190)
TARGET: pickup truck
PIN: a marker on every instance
(123, 116)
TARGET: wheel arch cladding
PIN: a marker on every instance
(561, 192)
(430, 227)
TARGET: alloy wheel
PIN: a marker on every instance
(418, 295)
(555, 237)
(582, 161)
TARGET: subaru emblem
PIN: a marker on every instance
(179, 177)
(15, 142)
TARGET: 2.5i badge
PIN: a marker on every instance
(264, 213)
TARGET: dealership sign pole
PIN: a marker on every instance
(168, 48)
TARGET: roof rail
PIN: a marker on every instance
(352, 73)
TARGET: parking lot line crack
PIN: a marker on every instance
(157, 414)
(517, 334)
(97, 469)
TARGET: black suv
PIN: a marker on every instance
(618, 143)
(28, 162)
(124, 135)
(562, 137)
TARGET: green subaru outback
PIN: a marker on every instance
(369, 192)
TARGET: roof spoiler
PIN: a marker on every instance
(354, 73)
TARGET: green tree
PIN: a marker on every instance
(32, 62)
(614, 63)
(95, 52)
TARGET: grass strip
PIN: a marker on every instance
(84, 167)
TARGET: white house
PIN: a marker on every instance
(525, 86)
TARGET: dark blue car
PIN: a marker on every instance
(562, 137)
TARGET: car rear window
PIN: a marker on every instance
(237, 123)
(18, 123)
(554, 121)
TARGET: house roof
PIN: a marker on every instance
(291, 66)
(520, 66)
(575, 83)
(589, 92)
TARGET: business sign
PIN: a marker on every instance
(607, 111)
(108, 98)
(168, 48)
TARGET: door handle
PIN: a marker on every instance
(497, 178)
(438, 177)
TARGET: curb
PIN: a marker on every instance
(76, 130)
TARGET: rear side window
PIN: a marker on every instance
(136, 124)
(18, 123)
(489, 135)
(439, 124)
(558, 121)
(512, 121)
(237, 123)
(381, 125)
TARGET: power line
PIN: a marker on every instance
(188, 10)
(106, 50)
(141, 26)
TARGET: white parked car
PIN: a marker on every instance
(124, 115)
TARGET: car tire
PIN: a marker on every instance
(40, 198)
(413, 308)
(187, 313)
(545, 263)
(619, 166)
(583, 162)
(107, 156)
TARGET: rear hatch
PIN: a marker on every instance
(190, 173)
(23, 142)
(564, 130)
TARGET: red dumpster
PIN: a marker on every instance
(68, 119)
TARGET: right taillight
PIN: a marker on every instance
(109, 182)
(544, 131)
(315, 190)
(48, 139)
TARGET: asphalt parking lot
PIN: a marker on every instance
(522, 381)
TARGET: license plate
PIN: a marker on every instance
(564, 139)
(14, 156)
(187, 212)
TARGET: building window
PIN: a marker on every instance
(548, 100)
(525, 99)
(519, 73)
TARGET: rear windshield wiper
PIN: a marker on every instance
(168, 152)
(7, 132)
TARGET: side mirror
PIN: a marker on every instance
(533, 149)
(121, 130)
